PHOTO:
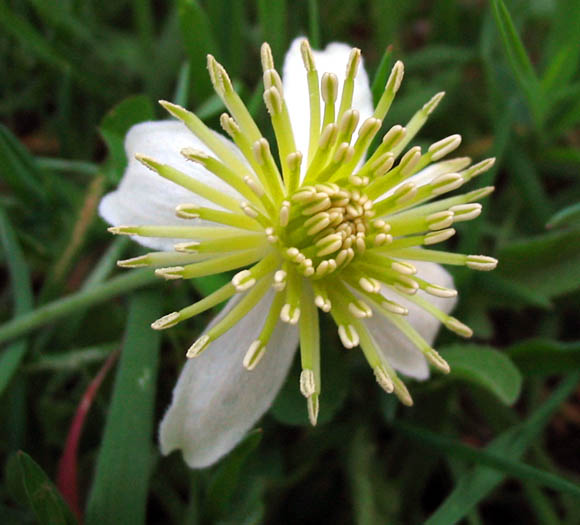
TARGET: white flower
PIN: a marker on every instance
(326, 230)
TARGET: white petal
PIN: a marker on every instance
(399, 351)
(143, 197)
(332, 60)
(216, 400)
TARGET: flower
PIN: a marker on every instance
(320, 228)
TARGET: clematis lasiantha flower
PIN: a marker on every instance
(311, 223)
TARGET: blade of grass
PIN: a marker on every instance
(19, 169)
(23, 298)
(508, 466)
(272, 17)
(198, 41)
(476, 484)
(82, 300)
(382, 74)
(518, 58)
(314, 23)
(119, 490)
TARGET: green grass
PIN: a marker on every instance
(496, 442)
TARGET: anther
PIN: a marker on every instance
(439, 149)
(348, 336)
(254, 354)
(279, 280)
(198, 347)
(465, 212)
(481, 262)
(430, 106)
(329, 87)
(170, 273)
(458, 327)
(290, 314)
(438, 236)
(307, 382)
(167, 321)
(383, 379)
(243, 280)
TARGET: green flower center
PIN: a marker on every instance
(323, 227)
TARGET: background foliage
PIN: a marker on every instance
(496, 441)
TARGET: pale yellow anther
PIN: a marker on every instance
(307, 383)
(458, 327)
(198, 347)
(329, 88)
(273, 101)
(439, 220)
(243, 280)
(393, 136)
(438, 236)
(403, 267)
(360, 309)
(307, 56)
(430, 106)
(174, 272)
(266, 57)
(445, 183)
(396, 77)
(323, 303)
(383, 379)
(481, 262)
(254, 354)
(348, 336)
(465, 212)
(187, 247)
(290, 314)
(167, 321)
(229, 125)
(440, 291)
(353, 63)
(439, 149)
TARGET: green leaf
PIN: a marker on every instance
(30, 484)
(11, 358)
(516, 469)
(518, 58)
(19, 169)
(224, 482)
(120, 487)
(486, 367)
(569, 216)
(117, 122)
(548, 264)
(545, 357)
(198, 41)
(477, 483)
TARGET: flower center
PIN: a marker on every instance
(324, 226)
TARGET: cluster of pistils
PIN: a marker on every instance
(324, 229)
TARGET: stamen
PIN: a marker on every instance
(189, 183)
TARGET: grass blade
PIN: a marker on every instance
(508, 466)
(518, 58)
(75, 302)
(476, 484)
(23, 298)
(273, 22)
(119, 491)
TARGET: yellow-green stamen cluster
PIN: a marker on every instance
(330, 235)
